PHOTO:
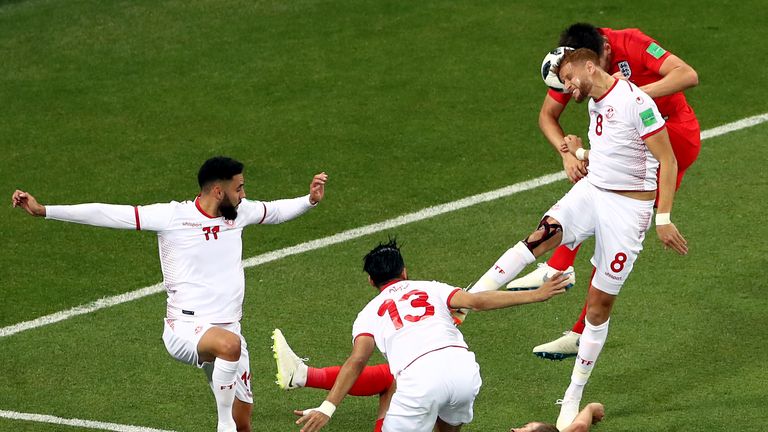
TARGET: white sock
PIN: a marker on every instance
(590, 345)
(223, 386)
(505, 268)
(300, 377)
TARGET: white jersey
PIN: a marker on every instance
(409, 319)
(620, 121)
(200, 255)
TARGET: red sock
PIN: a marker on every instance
(379, 424)
(374, 380)
(563, 257)
(578, 327)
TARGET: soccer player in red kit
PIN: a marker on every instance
(632, 55)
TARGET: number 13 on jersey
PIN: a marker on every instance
(418, 300)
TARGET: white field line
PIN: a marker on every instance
(351, 234)
(40, 418)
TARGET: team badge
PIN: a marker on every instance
(610, 112)
(639, 100)
(625, 69)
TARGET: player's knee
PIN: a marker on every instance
(229, 347)
(548, 228)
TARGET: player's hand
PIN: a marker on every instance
(671, 237)
(459, 315)
(598, 411)
(574, 168)
(28, 203)
(312, 419)
(317, 188)
(552, 287)
(571, 143)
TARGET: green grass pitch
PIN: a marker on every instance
(406, 104)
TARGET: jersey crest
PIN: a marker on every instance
(625, 69)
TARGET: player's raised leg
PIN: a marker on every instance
(293, 373)
(548, 235)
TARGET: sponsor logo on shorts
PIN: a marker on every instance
(614, 277)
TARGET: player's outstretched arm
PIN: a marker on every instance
(489, 300)
(661, 149)
(27, 202)
(589, 415)
(314, 419)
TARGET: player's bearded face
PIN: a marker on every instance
(228, 207)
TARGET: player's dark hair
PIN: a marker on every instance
(583, 35)
(384, 262)
(218, 168)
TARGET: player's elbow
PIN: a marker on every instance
(693, 77)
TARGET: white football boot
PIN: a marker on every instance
(569, 409)
(536, 278)
(290, 367)
(561, 348)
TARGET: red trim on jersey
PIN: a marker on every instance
(386, 285)
(450, 296)
(361, 334)
(265, 213)
(431, 351)
(609, 90)
(136, 215)
(649, 134)
(200, 209)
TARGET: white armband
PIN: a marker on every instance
(327, 408)
(581, 154)
(663, 219)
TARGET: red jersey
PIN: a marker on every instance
(639, 58)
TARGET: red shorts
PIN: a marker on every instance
(685, 138)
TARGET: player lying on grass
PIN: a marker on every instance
(411, 324)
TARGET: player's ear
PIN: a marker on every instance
(370, 282)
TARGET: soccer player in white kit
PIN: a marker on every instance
(614, 203)
(410, 322)
(200, 243)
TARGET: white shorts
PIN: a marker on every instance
(618, 223)
(181, 339)
(441, 384)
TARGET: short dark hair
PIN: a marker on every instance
(218, 168)
(583, 35)
(384, 262)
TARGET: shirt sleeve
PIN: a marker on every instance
(562, 98)
(444, 292)
(274, 212)
(155, 217)
(362, 326)
(646, 50)
(96, 214)
(645, 116)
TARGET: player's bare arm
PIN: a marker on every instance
(317, 188)
(28, 203)
(489, 300)
(661, 149)
(589, 415)
(678, 76)
(316, 418)
(549, 123)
